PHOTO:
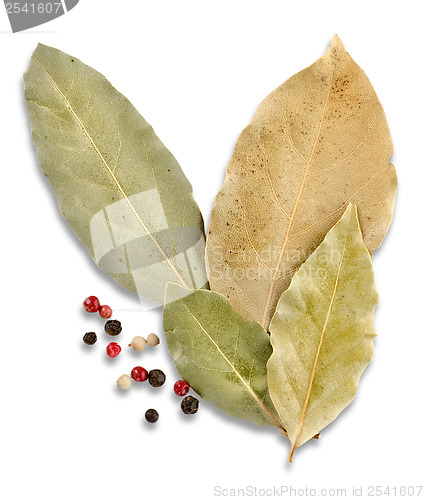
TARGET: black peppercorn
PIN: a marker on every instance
(190, 405)
(113, 327)
(90, 338)
(156, 378)
(151, 416)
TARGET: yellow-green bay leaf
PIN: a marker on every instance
(322, 332)
(316, 143)
(122, 192)
(222, 356)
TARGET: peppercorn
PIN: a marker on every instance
(151, 416)
(105, 312)
(124, 382)
(139, 374)
(113, 327)
(113, 349)
(152, 339)
(138, 343)
(156, 378)
(190, 405)
(91, 304)
(181, 388)
(90, 338)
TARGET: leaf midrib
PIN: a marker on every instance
(290, 222)
(313, 370)
(234, 369)
(111, 173)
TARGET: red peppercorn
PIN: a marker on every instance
(139, 374)
(105, 312)
(181, 388)
(91, 304)
(113, 349)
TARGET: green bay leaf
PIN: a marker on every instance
(222, 356)
(322, 332)
(122, 192)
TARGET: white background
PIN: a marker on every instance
(197, 71)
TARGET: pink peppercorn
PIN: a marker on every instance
(105, 312)
(139, 374)
(91, 304)
(181, 388)
(113, 349)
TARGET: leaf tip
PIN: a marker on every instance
(351, 210)
(336, 47)
(40, 47)
(336, 42)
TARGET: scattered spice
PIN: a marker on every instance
(105, 312)
(153, 339)
(90, 338)
(156, 378)
(138, 343)
(139, 374)
(113, 327)
(189, 405)
(151, 416)
(124, 382)
(113, 349)
(181, 388)
(91, 304)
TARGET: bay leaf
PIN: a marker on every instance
(222, 356)
(122, 192)
(322, 332)
(315, 144)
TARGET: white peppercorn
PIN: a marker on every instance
(152, 339)
(124, 382)
(138, 343)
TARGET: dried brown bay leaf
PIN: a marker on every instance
(322, 333)
(316, 143)
(119, 188)
(220, 354)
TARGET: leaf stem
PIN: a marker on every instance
(293, 449)
(283, 430)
